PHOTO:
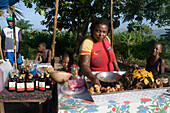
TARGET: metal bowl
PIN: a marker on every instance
(108, 78)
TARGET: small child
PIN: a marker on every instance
(65, 63)
(155, 64)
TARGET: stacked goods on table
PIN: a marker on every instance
(29, 79)
(140, 79)
(132, 80)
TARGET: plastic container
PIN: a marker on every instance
(5, 68)
(74, 70)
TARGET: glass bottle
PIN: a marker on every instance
(37, 78)
(11, 83)
(48, 82)
(26, 73)
(41, 83)
(20, 84)
(22, 72)
(30, 84)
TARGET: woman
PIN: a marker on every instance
(96, 53)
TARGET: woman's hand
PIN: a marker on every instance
(95, 81)
(116, 65)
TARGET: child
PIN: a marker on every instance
(155, 64)
(65, 63)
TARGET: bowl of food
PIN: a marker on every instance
(60, 76)
(108, 78)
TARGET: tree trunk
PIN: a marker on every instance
(0, 46)
(14, 64)
(54, 30)
(111, 20)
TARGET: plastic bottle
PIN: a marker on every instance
(74, 70)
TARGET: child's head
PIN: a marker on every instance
(156, 49)
(42, 46)
(65, 61)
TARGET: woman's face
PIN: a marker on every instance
(100, 32)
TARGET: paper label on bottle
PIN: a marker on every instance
(42, 85)
(20, 86)
(30, 86)
(12, 85)
(36, 84)
(47, 86)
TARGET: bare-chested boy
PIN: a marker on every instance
(155, 64)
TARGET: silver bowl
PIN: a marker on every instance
(108, 76)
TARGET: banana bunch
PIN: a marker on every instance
(143, 75)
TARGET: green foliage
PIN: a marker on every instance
(165, 41)
(65, 43)
(132, 45)
(24, 24)
(31, 39)
(157, 11)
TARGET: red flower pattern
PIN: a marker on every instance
(156, 109)
(85, 101)
(65, 111)
(61, 104)
(73, 105)
(113, 109)
(66, 96)
(29, 99)
(144, 99)
(161, 95)
(166, 107)
(126, 101)
(7, 99)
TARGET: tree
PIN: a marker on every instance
(157, 11)
(24, 24)
(76, 15)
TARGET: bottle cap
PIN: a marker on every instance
(12, 76)
(48, 75)
(74, 65)
(38, 75)
(30, 77)
(30, 74)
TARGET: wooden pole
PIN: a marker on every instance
(0, 46)
(13, 16)
(54, 30)
(111, 20)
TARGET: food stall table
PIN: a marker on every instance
(134, 101)
(36, 96)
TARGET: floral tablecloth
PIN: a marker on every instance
(5, 95)
(159, 104)
(109, 103)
